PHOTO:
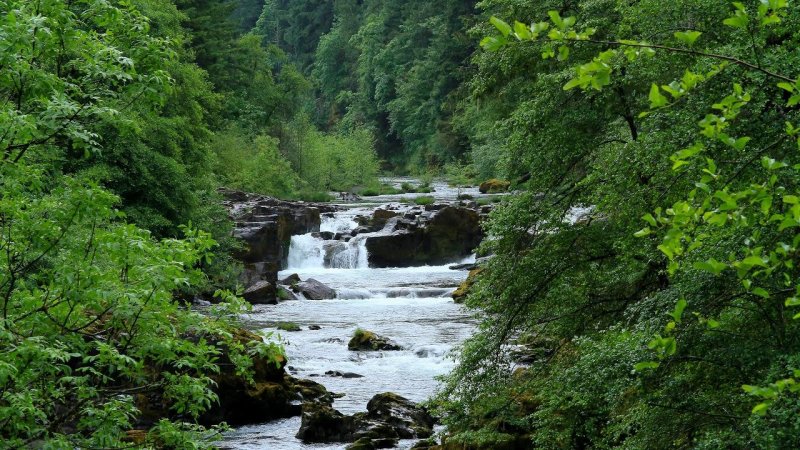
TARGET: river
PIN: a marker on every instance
(411, 305)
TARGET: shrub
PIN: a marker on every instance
(424, 200)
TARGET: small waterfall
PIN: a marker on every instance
(339, 223)
(309, 252)
(306, 252)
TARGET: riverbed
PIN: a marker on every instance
(410, 305)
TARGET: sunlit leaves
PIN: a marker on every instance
(739, 19)
(688, 37)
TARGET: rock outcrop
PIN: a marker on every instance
(272, 394)
(266, 226)
(389, 417)
(426, 237)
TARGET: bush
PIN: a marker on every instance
(424, 200)
(253, 164)
(338, 162)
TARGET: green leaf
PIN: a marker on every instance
(761, 292)
(521, 31)
(502, 26)
(563, 53)
(647, 365)
(688, 37)
(712, 265)
(677, 313)
(493, 44)
(556, 18)
(643, 232)
(760, 409)
(657, 100)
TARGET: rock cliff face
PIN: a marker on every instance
(266, 226)
(436, 235)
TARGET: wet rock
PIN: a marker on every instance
(261, 293)
(315, 290)
(361, 444)
(336, 373)
(360, 230)
(493, 186)
(288, 326)
(389, 417)
(314, 327)
(460, 294)
(380, 217)
(368, 341)
(266, 225)
(322, 423)
(324, 235)
(465, 266)
(291, 280)
(452, 233)
(409, 420)
(285, 294)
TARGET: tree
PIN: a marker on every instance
(638, 341)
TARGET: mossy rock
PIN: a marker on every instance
(463, 290)
(361, 444)
(364, 340)
(494, 186)
(288, 326)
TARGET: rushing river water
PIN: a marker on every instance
(411, 305)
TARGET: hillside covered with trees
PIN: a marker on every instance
(642, 286)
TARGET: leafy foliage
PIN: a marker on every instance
(639, 331)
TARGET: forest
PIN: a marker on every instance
(664, 315)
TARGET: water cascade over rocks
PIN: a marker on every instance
(401, 293)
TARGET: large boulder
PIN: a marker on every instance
(364, 340)
(315, 290)
(494, 186)
(449, 234)
(409, 420)
(381, 216)
(322, 423)
(261, 293)
(389, 417)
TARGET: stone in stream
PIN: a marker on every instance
(261, 293)
(364, 340)
(291, 280)
(380, 217)
(389, 417)
(336, 373)
(315, 290)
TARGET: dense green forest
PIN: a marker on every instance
(644, 268)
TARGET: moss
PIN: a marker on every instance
(461, 293)
(494, 186)
(288, 326)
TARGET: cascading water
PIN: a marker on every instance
(311, 251)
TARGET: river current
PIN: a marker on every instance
(411, 306)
